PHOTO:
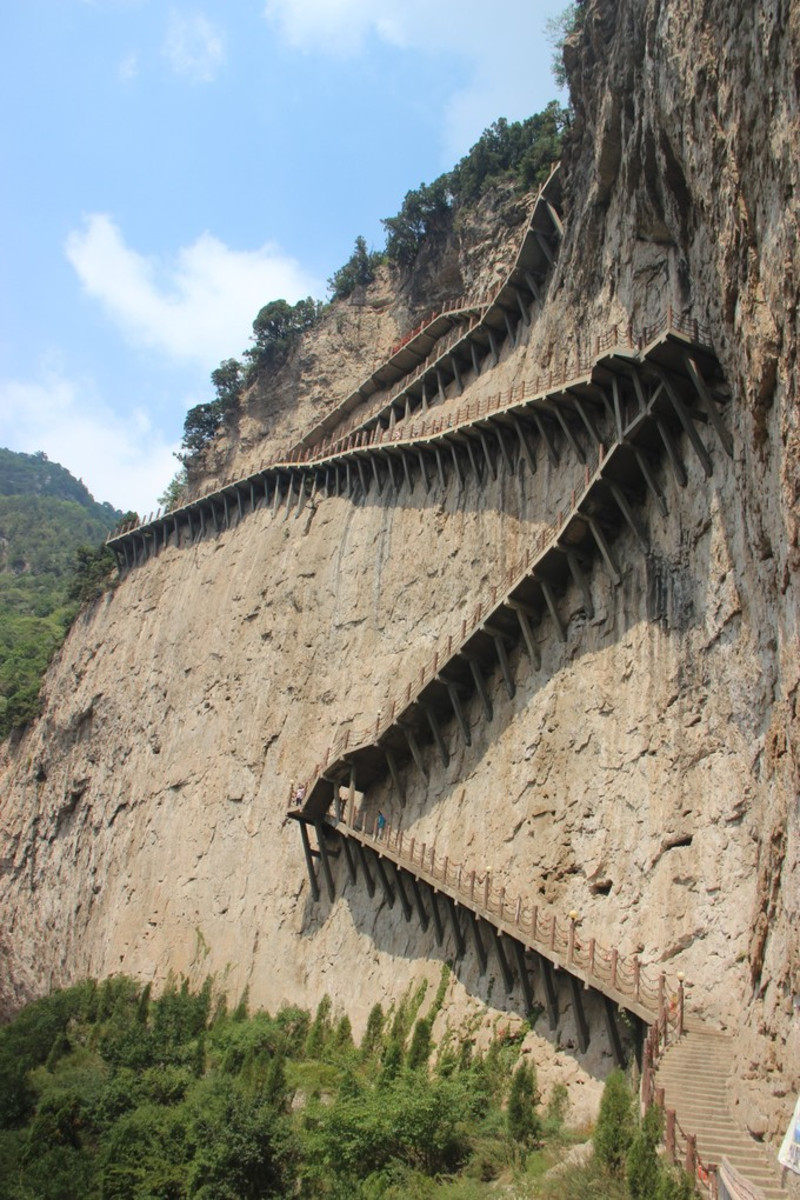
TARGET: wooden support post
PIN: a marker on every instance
(457, 467)
(546, 436)
(550, 601)
(586, 417)
(312, 874)
(687, 422)
(202, 522)
(362, 476)
(487, 455)
(533, 287)
(437, 734)
(301, 496)
(362, 858)
(550, 991)
(498, 433)
(617, 401)
(289, 496)
(416, 753)
(418, 903)
(505, 965)
(555, 218)
(392, 477)
(350, 860)
(505, 666)
(326, 865)
(627, 512)
(214, 516)
(675, 460)
(545, 247)
(440, 386)
(480, 949)
(458, 933)
(523, 308)
(472, 459)
(423, 471)
(407, 473)
(509, 328)
(440, 468)
(276, 495)
(252, 497)
(391, 762)
(581, 1023)
(612, 1028)
(388, 890)
(476, 365)
(460, 716)
(405, 903)
(650, 480)
(524, 615)
(525, 450)
(581, 582)
(456, 373)
(438, 927)
(707, 401)
(239, 501)
(524, 977)
(348, 478)
(424, 400)
(373, 458)
(568, 434)
(602, 546)
(227, 511)
(480, 686)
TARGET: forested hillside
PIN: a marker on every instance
(46, 517)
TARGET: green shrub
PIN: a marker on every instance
(615, 1124)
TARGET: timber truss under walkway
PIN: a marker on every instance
(533, 946)
(650, 397)
(466, 337)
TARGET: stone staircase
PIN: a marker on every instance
(694, 1074)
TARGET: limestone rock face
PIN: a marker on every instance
(645, 775)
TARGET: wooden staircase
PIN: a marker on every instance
(694, 1074)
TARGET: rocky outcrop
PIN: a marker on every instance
(644, 775)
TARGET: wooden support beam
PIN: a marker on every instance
(501, 441)
(456, 373)
(326, 864)
(524, 977)
(617, 1049)
(438, 927)
(523, 617)
(472, 460)
(239, 501)
(437, 734)
(312, 874)
(392, 477)
(362, 858)
(252, 497)
(440, 385)
(413, 746)
(582, 1025)
(407, 472)
(627, 512)
(459, 474)
(546, 436)
(650, 480)
(480, 949)
(226, 510)
(493, 346)
(675, 460)
(707, 401)
(476, 365)
(424, 398)
(555, 218)
(617, 402)
(523, 308)
(394, 771)
(202, 522)
(301, 496)
(568, 434)
(505, 965)
(581, 582)
(423, 470)
(402, 895)
(509, 328)
(213, 520)
(550, 601)
(487, 455)
(373, 458)
(440, 468)
(533, 287)
(362, 475)
(458, 933)
(349, 858)
(687, 422)
(544, 246)
(388, 890)
(460, 716)
(603, 547)
(525, 450)
(276, 495)
(505, 666)
(480, 687)
(550, 990)
(348, 478)
(422, 912)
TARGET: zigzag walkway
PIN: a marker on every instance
(527, 938)
(426, 362)
(652, 396)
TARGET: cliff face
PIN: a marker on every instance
(646, 775)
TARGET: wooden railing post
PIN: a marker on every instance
(669, 1134)
(681, 998)
(690, 1163)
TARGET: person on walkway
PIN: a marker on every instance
(381, 823)
(300, 795)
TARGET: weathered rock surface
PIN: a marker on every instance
(647, 775)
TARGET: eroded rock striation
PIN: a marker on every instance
(645, 772)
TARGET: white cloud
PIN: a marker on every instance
(194, 47)
(122, 459)
(497, 50)
(197, 308)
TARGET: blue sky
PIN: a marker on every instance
(167, 169)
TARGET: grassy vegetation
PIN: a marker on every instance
(107, 1093)
(51, 559)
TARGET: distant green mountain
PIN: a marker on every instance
(46, 514)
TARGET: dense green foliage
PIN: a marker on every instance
(358, 271)
(52, 558)
(558, 30)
